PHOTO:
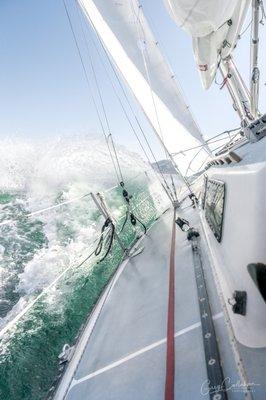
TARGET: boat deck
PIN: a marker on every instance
(122, 355)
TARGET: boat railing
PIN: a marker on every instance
(53, 314)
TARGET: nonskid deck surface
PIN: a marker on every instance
(125, 356)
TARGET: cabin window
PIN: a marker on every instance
(214, 206)
(203, 193)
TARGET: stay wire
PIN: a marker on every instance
(139, 25)
(168, 155)
(127, 100)
(130, 106)
(99, 94)
(119, 99)
(143, 40)
(89, 85)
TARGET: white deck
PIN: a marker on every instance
(124, 358)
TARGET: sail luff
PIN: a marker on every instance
(158, 96)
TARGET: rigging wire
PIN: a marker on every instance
(143, 40)
(110, 136)
(109, 238)
(142, 48)
(245, 29)
(75, 199)
(90, 87)
(210, 141)
(161, 44)
(129, 104)
(118, 97)
(100, 95)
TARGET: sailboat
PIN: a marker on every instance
(208, 340)
(184, 314)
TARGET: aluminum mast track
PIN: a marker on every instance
(211, 349)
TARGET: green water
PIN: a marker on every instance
(29, 350)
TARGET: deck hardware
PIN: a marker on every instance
(239, 302)
(102, 207)
(66, 353)
(183, 224)
(98, 200)
(194, 200)
(192, 233)
(257, 129)
(212, 355)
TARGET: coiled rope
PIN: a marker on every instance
(108, 239)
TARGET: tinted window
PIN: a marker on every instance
(214, 206)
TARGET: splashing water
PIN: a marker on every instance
(35, 251)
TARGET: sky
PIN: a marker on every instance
(44, 91)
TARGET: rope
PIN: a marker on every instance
(110, 238)
(166, 56)
(110, 137)
(142, 48)
(89, 85)
(101, 99)
(37, 212)
(46, 209)
(160, 135)
(115, 91)
(174, 189)
(133, 218)
(143, 52)
(197, 147)
(244, 30)
(128, 102)
(116, 168)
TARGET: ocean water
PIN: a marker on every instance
(48, 285)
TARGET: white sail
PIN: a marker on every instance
(214, 27)
(127, 37)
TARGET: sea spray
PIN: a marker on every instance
(36, 250)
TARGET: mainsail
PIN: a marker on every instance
(214, 27)
(125, 34)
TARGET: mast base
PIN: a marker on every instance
(256, 130)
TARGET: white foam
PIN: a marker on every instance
(42, 169)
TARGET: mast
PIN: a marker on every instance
(237, 90)
(255, 72)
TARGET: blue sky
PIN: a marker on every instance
(43, 90)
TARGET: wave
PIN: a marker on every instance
(40, 173)
(48, 286)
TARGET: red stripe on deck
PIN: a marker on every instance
(170, 352)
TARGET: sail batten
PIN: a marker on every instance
(126, 36)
